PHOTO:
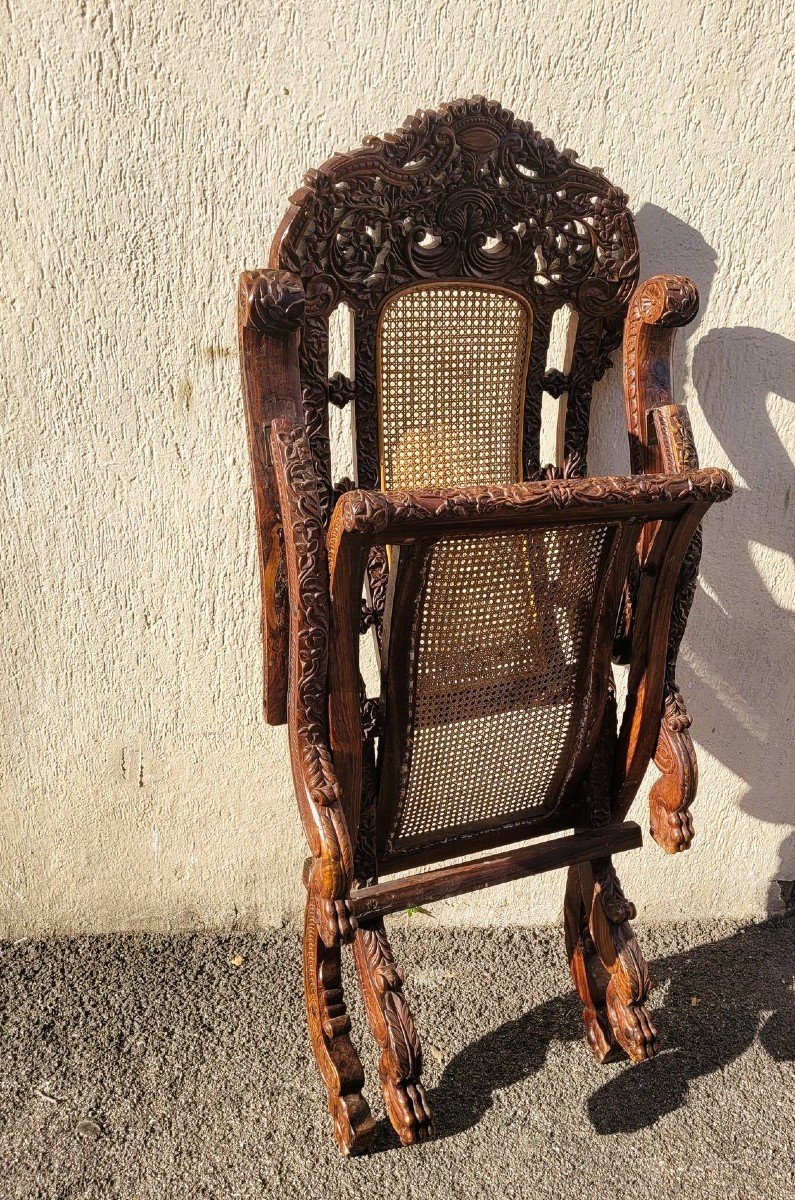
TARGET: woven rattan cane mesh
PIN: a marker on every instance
(497, 644)
(452, 360)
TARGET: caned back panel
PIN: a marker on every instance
(496, 681)
(451, 368)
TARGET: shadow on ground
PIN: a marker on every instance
(145, 1067)
(719, 998)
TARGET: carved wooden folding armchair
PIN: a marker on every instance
(498, 591)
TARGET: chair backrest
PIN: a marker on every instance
(476, 201)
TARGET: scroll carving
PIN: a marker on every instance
(675, 757)
(659, 306)
(316, 784)
(465, 192)
(271, 302)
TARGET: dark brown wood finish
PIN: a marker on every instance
(384, 898)
(661, 440)
(464, 193)
(270, 312)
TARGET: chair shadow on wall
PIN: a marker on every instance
(733, 673)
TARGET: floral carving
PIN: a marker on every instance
(465, 192)
(393, 1027)
(373, 512)
(316, 784)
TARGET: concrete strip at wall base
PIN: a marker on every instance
(147, 156)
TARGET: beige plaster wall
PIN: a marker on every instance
(147, 152)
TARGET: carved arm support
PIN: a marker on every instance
(316, 785)
(403, 515)
(270, 314)
(661, 440)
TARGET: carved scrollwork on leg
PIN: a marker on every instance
(628, 983)
(672, 795)
(393, 1028)
(329, 1031)
(588, 975)
(606, 963)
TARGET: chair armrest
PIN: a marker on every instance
(270, 313)
(661, 439)
(399, 515)
(658, 308)
(316, 784)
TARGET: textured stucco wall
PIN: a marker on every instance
(147, 153)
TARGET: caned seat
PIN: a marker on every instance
(498, 590)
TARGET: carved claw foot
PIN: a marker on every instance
(674, 831)
(408, 1109)
(628, 984)
(393, 1028)
(599, 1035)
(329, 1030)
(632, 1025)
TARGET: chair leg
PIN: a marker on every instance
(606, 963)
(329, 1026)
(393, 1028)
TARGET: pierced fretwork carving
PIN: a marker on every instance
(466, 192)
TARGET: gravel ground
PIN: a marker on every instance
(157, 1068)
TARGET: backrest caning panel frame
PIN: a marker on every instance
(451, 370)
